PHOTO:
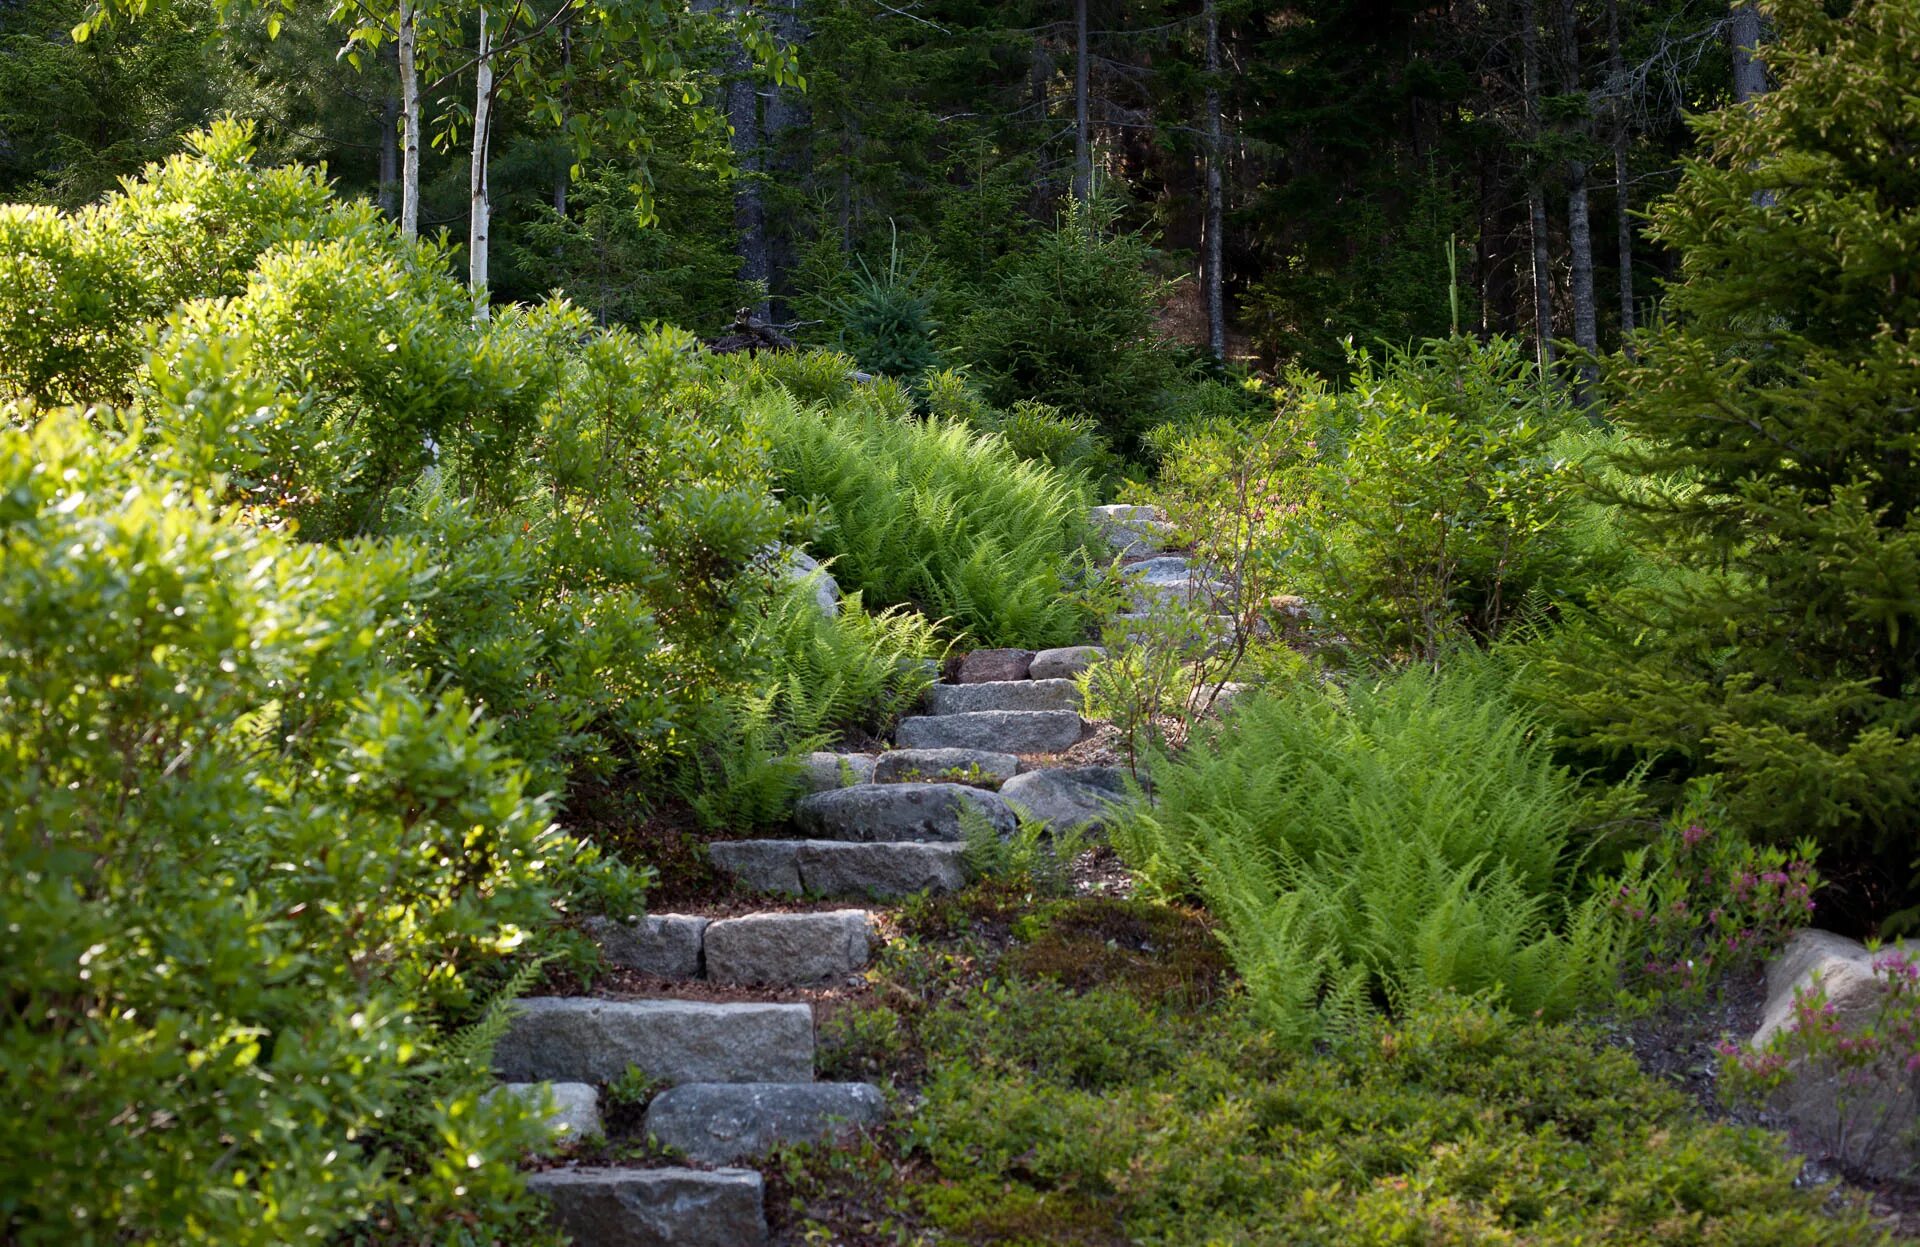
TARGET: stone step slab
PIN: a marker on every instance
(573, 1108)
(583, 1039)
(833, 868)
(789, 949)
(1071, 799)
(723, 1123)
(1005, 731)
(870, 813)
(985, 666)
(982, 768)
(1064, 663)
(666, 945)
(1003, 695)
(1132, 531)
(611, 1207)
(823, 772)
(1161, 569)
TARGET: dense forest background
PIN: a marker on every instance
(1312, 170)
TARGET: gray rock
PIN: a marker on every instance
(717, 1123)
(872, 812)
(827, 771)
(1061, 801)
(797, 949)
(1866, 1115)
(1064, 663)
(608, 1207)
(1152, 594)
(1217, 699)
(1164, 569)
(762, 865)
(575, 1110)
(913, 765)
(1132, 531)
(1005, 731)
(985, 666)
(828, 868)
(582, 1039)
(1003, 695)
(664, 944)
(798, 565)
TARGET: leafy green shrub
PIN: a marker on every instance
(1423, 505)
(934, 515)
(1032, 430)
(1069, 321)
(1773, 413)
(255, 871)
(69, 298)
(1407, 836)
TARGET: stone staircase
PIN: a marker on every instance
(738, 1075)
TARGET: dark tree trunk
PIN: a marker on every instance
(1082, 137)
(1622, 207)
(1213, 279)
(749, 152)
(1586, 321)
(1749, 71)
(1536, 191)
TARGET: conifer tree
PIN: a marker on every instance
(1774, 414)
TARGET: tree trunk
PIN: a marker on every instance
(565, 175)
(480, 219)
(749, 204)
(410, 124)
(785, 115)
(1212, 276)
(1536, 192)
(1623, 218)
(390, 153)
(1749, 72)
(1586, 329)
(1082, 138)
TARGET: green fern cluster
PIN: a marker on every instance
(1406, 837)
(934, 515)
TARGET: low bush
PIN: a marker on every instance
(934, 515)
(1431, 501)
(257, 875)
(1403, 837)
(1090, 1084)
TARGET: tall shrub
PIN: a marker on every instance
(1776, 409)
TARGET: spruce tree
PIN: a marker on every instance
(1772, 417)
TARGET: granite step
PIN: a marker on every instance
(869, 813)
(1003, 695)
(980, 768)
(884, 871)
(796, 950)
(584, 1039)
(724, 1123)
(1005, 731)
(604, 1206)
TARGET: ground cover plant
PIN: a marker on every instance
(1088, 1074)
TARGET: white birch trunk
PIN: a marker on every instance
(410, 123)
(479, 222)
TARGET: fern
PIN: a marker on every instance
(1385, 844)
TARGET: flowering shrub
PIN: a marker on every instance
(1868, 1058)
(1701, 902)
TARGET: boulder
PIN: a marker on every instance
(795, 949)
(667, 945)
(583, 1039)
(827, 771)
(1002, 731)
(798, 565)
(984, 666)
(982, 768)
(1222, 697)
(1064, 663)
(574, 1111)
(912, 811)
(609, 1207)
(719, 1123)
(1062, 801)
(1865, 1114)
(1003, 695)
